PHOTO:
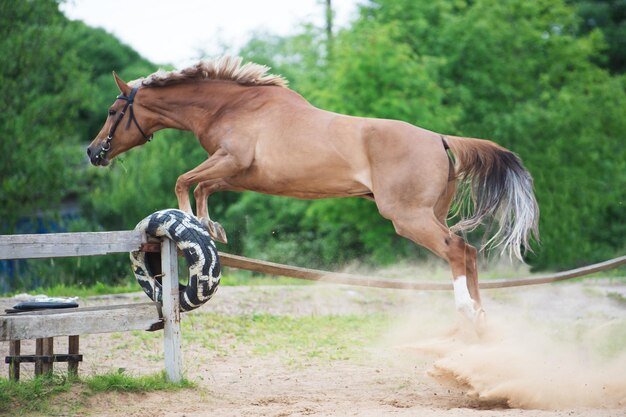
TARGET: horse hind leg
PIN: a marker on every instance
(468, 285)
(471, 269)
(425, 229)
(441, 210)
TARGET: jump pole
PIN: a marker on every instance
(272, 268)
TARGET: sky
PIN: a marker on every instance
(179, 32)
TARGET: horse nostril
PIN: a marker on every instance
(89, 152)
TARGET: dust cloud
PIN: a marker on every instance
(521, 361)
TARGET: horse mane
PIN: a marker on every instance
(226, 68)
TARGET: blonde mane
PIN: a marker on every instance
(224, 68)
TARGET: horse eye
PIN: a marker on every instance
(112, 112)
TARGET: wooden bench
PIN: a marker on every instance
(44, 325)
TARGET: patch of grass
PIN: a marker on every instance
(611, 339)
(604, 339)
(294, 338)
(601, 338)
(18, 398)
(62, 290)
(619, 297)
(122, 382)
(100, 288)
(38, 395)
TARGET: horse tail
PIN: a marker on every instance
(500, 188)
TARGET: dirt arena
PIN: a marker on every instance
(551, 350)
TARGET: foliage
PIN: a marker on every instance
(610, 17)
(325, 337)
(53, 99)
(41, 88)
(299, 58)
(50, 87)
(558, 110)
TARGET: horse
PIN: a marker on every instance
(262, 136)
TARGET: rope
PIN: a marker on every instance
(272, 268)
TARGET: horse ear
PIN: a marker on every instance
(124, 88)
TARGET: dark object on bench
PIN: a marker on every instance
(41, 305)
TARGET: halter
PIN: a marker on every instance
(128, 106)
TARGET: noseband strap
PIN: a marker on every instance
(131, 118)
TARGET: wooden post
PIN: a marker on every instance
(48, 350)
(73, 348)
(44, 348)
(14, 367)
(38, 353)
(171, 311)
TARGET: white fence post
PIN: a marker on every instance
(171, 312)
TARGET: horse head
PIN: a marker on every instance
(113, 140)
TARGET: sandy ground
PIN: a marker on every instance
(550, 351)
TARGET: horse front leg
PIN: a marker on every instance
(221, 164)
(201, 194)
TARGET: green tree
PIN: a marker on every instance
(41, 91)
(610, 17)
(528, 80)
(55, 87)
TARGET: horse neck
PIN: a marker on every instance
(197, 106)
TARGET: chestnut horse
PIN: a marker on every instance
(263, 137)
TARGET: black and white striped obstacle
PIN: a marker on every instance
(199, 250)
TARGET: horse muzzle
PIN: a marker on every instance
(98, 156)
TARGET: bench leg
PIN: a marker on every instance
(72, 366)
(14, 367)
(44, 347)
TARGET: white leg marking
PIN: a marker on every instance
(462, 298)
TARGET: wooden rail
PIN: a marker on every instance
(58, 245)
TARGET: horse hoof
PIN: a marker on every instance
(480, 321)
(215, 229)
(220, 233)
(474, 316)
